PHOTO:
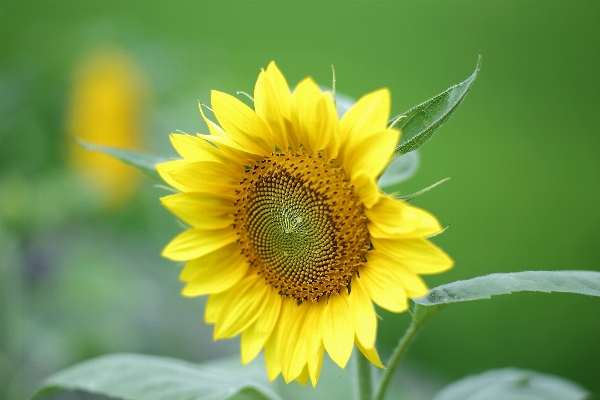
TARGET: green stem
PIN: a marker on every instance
(363, 377)
(396, 356)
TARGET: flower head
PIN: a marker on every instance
(290, 236)
(106, 108)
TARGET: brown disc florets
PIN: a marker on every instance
(300, 223)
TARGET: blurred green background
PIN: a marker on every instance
(81, 276)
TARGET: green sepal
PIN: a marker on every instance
(411, 196)
(420, 122)
(146, 163)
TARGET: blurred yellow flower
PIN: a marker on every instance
(106, 106)
(290, 236)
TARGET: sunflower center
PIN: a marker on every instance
(301, 225)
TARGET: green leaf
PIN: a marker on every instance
(512, 384)
(483, 287)
(140, 377)
(146, 163)
(420, 122)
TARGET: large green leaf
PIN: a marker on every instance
(140, 377)
(483, 287)
(142, 161)
(420, 122)
(512, 384)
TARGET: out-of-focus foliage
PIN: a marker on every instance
(136, 376)
(78, 279)
(145, 163)
(512, 384)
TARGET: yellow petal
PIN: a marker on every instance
(333, 141)
(383, 287)
(245, 303)
(370, 114)
(195, 202)
(232, 150)
(207, 176)
(325, 125)
(195, 243)
(272, 355)
(338, 328)
(313, 123)
(273, 344)
(390, 218)
(242, 124)
(272, 102)
(370, 354)
(164, 170)
(314, 340)
(293, 343)
(417, 255)
(214, 272)
(214, 306)
(254, 338)
(303, 377)
(315, 363)
(366, 190)
(279, 85)
(372, 153)
(329, 131)
(195, 149)
(201, 210)
(413, 285)
(365, 320)
(214, 129)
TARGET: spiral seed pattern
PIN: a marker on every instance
(301, 225)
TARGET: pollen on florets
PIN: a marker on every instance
(301, 225)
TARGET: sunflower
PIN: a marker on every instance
(290, 236)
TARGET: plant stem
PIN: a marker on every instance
(396, 356)
(363, 377)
